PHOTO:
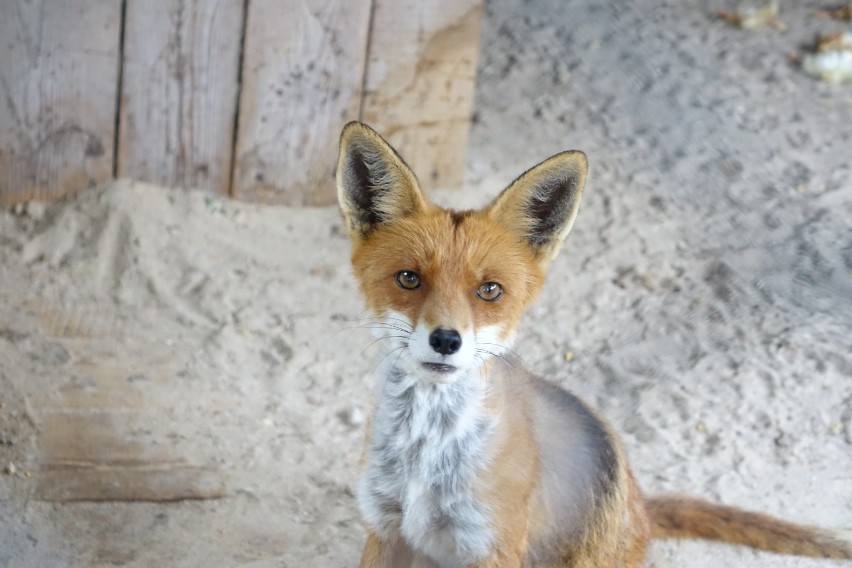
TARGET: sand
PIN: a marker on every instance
(214, 352)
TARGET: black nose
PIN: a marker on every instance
(445, 341)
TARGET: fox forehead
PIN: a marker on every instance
(453, 252)
(445, 246)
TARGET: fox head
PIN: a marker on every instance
(449, 287)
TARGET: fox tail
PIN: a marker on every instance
(686, 517)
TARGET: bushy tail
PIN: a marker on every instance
(685, 517)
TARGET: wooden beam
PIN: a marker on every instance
(419, 87)
(58, 84)
(179, 92)
(302, 75)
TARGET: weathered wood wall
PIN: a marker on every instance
(237, 98)
(58, 82)
(419, 83)
(179, 92)
(304, 65)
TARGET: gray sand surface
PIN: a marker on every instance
(703, 303)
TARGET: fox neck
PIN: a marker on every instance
(416, 408)
(430, 442)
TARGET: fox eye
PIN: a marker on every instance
(490, 291)
(408, 279)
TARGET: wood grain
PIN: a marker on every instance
(419, 86)
(306, 71)
(95, 456)
(302, 75)
(179, 92)
(58, 83)
(104, 412)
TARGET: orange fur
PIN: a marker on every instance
(394, 228)
(685, 517)
(427, 242)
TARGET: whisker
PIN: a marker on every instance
(385, 322)
(372, 317)
(498, 356)
(403, 337)
(384, 326)
(386, 376)
(375, 318)
(400, 349)
(501, 346)
(403, 322)
(482, 374)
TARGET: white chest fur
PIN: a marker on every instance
(429, 443)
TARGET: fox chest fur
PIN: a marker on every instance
(429, 443)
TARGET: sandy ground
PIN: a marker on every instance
(161, 342)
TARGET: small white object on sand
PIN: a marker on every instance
(833, 66)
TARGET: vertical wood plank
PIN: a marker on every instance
(419, 86)
(179, 92)
(302, 75)
(58, 83)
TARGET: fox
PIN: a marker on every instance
(472, 460)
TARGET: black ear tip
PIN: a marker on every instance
(574, 158)
(355, 128)
(354, 124)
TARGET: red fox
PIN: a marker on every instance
(472, 460)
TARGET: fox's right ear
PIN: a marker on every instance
(374, 185)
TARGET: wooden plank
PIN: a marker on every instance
(179, 92)
(419, 86)
(302, 74)
(97, 456)
(58, 82)
(153, 481)
(102, 399)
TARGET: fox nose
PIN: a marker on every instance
(445, 341)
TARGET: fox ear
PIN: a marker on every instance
(541, 205)
(374, 185)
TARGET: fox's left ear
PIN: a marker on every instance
(374, 185)
(541, 205)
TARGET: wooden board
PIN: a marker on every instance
(96, 456)
(305, 73)
(104, 411)
(58, 82)
(179, 92)
(302, 74)
(419, 86)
